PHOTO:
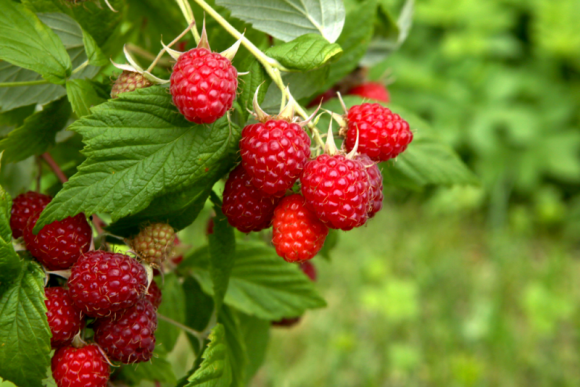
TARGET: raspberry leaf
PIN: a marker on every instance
(222, 249)
(257, 77)
(288, 19)
(255, 332)
(24, 331)
(37, 133)
(306, 52)
(158, 369)
(236, 346)
(261, 283)
(215, 369)
(172, 306)
(82, 95)
(139, 147)
(28, 43)
(10, 264)
(198, 309)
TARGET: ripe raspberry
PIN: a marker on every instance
(102, 283)
(274, 154)
(203, 85)
(337, 190)
(129, 336)
(23, 207)
(376, 184)
(383, 134)
(59, 244)
(371, 90)
(154, 242)
(298, 235)
(129, 81)
(80, 367)
(308, 269)
(154, 295)
(64, 319)
(246, 207)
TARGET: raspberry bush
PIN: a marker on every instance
(134, 157)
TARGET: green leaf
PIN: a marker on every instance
(386, 26)
(236, 347)
(302, 85)
(222, 250)
(173, 306)
(82, 96)
(158, 369)
(289, 19)
(256, 333)
(198, 309)
(329, 244)
(24, 331)
(261, 284)
(16, 116)
(28, 43)
(94, 53)
(37, 133)
(257, 77)
(10, 264)
(306, 52)
(354, 40)
(216, 369)
(139, 147)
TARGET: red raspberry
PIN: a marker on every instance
(203, 85)
(102, 283)
(154, 242)
(337, 190)
(308, 269)
(371, 90)
(154, 295)
(23, 207)
(80, 367)
(64, 319)
(383, 134)
(129, 81)
(298, 235)
(246, 207)
(376, 184)
(274, 154)
(128, 337)
(178, 256)
(59, 244)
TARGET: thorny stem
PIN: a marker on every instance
(271, 65)
(199, 335)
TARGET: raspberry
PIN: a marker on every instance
(64, 319)
(129, 81)
(376, 184)
(23, 207)
(337, 190)
(177, 255)
(154, 295)
(246, 207)
(298, 235)
(129, 336)
(102, 283)
(371, 90)
(80, 367)
(154, 242)
(274, 154)
(203, 85)
(308, 269)
(60, 244)
(383, 134)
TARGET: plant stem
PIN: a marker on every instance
(24, 83)
(81, 67)
(55, 168)
(188, 14)
(147, 55)
(152, 66)
(199, 335)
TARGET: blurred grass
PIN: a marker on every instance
(420, 299)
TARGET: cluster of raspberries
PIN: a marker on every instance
(108, 292)
(337, 191)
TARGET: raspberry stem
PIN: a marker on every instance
(199, 335)
(54, 166)
(188, 14)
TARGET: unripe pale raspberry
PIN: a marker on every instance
(24, 206)
(80, 367)
(337, 189)
(376, 184)
(298, 235)
(383, 134)
(64, 319)
(102, 283)
(203, 85)
(128, 337)
(154, 242)
(371, 90)
(246, 207)
(129, 81)
(154, 295)
(60, 244)
(274, 154)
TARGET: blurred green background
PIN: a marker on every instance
(464, 286)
